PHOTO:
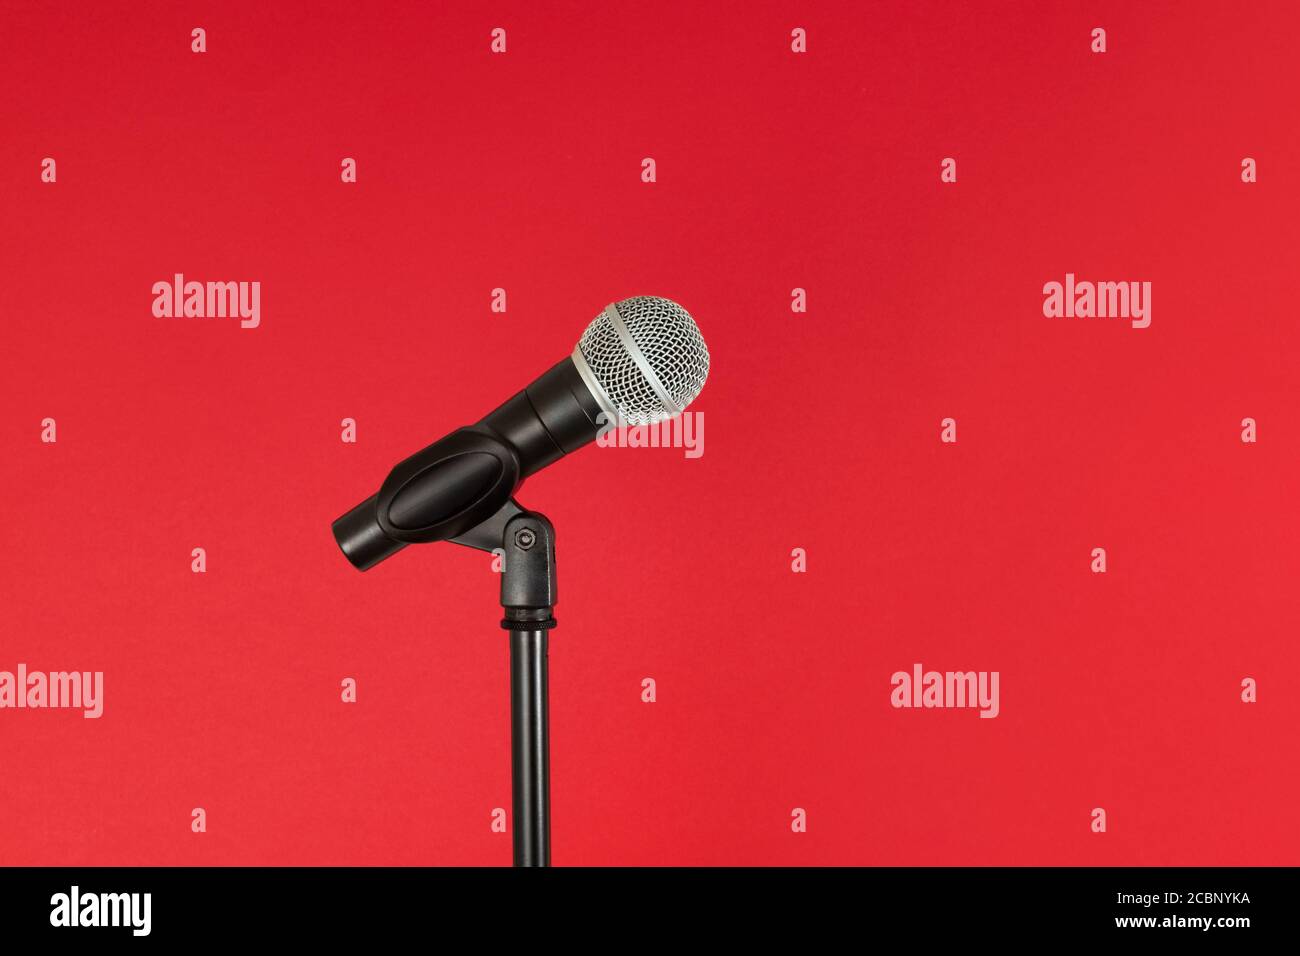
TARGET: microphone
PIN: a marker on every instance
(641, 361)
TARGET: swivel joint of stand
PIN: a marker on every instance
(528, 578)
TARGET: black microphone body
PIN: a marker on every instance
(465, 478)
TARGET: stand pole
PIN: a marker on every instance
(530, 748)
(528, 599)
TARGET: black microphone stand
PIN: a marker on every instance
(528, 598)
(527, 543)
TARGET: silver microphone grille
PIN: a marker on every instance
(644, 359)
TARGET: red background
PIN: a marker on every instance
(775, 171)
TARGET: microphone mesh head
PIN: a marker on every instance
(664, 341)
